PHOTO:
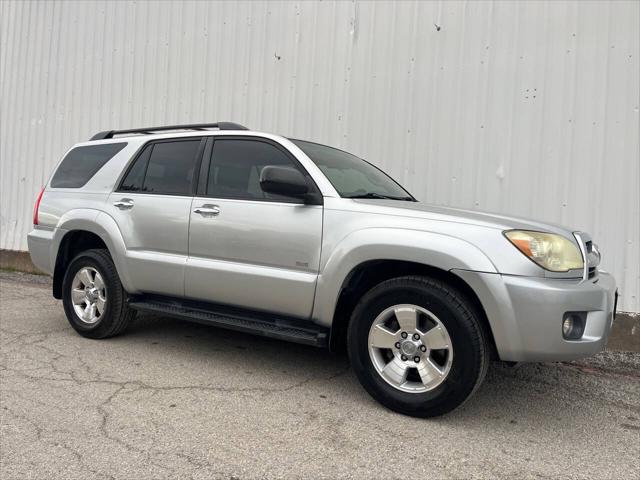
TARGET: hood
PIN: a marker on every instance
(459, 215)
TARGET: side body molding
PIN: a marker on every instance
(105, 227)
(434, 249)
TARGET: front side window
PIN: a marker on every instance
(164, 168)
(82, 163)
(351, 176)
(235, 169)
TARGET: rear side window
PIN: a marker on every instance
(164, 168)
(135, 177)
(82, 163)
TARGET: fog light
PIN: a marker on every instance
(567, 326)
(573, 325)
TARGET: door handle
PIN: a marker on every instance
(208, 210)
(124, 204)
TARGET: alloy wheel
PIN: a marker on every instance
(88, 295)
(410, 348)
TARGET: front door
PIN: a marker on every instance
(248, 248)
(151, 207)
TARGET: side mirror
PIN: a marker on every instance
(283, 181)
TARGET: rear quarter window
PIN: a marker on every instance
(82, 163)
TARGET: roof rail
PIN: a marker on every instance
(194, 126)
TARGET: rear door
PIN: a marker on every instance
(248, 248)
(151, 207)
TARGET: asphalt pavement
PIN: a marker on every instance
(176, 400)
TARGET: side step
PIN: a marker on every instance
(257, 323)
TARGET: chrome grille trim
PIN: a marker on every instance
(590, 255)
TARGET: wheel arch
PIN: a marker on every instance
(81, 230)
(407, 246)
(366, 275)
(73, 243)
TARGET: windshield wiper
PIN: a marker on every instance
(381, 196)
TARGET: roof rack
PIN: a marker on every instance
(194, 126)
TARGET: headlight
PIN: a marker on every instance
(550, 251)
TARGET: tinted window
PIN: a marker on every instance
(135, 177)
(350, 175)
(165, 167)
(82, 163)
(235, 169)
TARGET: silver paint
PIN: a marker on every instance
(250, 253)
(293, 259)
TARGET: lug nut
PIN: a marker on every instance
(416, 336)
(398, 345)
(416, 359)
(404, 358)
(403, 334)
(423, 348)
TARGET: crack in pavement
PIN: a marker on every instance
(199, 408)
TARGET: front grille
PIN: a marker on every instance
(590, 255)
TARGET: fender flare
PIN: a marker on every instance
(102, 225)
(430, 249)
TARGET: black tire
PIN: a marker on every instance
(117, 315)
(470, 349)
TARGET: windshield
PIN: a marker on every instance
(351, 176)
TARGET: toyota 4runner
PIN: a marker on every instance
(299, 241)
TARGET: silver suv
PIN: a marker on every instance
(299, 241)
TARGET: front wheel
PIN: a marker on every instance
(93, 298)
(417, 346)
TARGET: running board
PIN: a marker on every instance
(257, 323)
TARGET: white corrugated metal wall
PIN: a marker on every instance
(520, 107)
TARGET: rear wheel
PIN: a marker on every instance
(93, 298)
(417, 346)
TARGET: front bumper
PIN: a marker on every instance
(525, 314)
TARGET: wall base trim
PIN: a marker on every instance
(17, 260)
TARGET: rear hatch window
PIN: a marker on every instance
(82, 163)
